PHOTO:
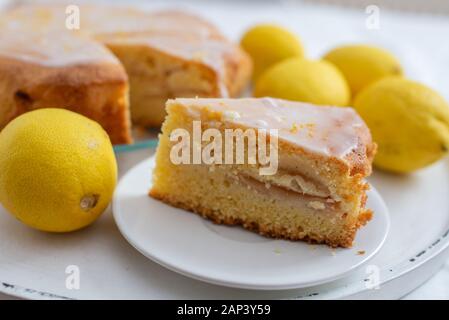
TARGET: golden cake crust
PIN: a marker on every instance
(37, 34)
(269, 230)
(96, 90)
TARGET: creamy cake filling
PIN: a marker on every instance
(296, 189)
(291, 181)
(297, 199)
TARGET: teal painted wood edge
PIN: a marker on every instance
(150, 143)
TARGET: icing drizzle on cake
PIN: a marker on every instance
(327, 130)
(38, 34)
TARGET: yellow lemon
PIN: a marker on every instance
(298, 79)
(57, 170)
(409, 122)
(268, 44)
(362, 65)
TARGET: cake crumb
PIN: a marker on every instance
(267, 185)
(310, 129)
(277, 251)
(361, 252)
(316, 205)
(310, 125)
(333, 253)
(294, 128)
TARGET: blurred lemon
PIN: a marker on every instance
(298, 79)
(57, 170)
(268, 44)
(362, 65)
(408, 121)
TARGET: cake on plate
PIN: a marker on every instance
(158, 55)
(316, 191)
(54, 69)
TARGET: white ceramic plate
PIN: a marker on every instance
(232, 256)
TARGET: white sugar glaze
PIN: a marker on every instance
(326, 130)
(39, 34)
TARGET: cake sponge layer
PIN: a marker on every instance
(229, 200)
(314, 196)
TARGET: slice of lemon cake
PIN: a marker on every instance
(283, 169)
